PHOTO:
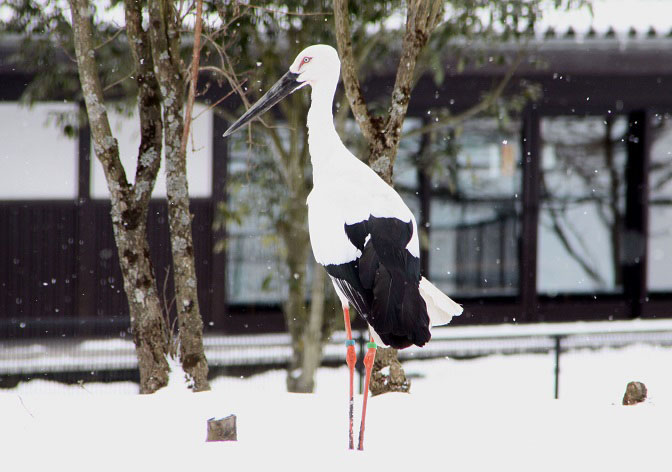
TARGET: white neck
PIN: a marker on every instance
(321, 102)
(323, 140)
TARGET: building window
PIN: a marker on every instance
(471, 239)
(660, 205)
(474, 219)
(255, 272)
(37, 157)
(582, 204)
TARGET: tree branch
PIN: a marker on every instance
(351, 84)
(110, 39)
(118, 81)
(474, 110)
(104, 144)
(280, 12)
(231, 92)
(194, 75)
(421, 19)
(164, 32)
(571, 252)
(149, 104)
(281, 157)
(557, 228)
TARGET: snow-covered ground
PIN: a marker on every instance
(491, 413)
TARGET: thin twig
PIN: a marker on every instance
(280, 12)
(67, 53)
(80, 383)
(475, 109)
(170, 327)
(110, 39)
(216, 103)
(167, 306)
(179, 13)
(351, 82)
(117, 82)
(194, 76)
(25, 407)
(228, 73)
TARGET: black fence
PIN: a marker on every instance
(80, 361)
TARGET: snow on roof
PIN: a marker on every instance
(611, 18)
(622, 18)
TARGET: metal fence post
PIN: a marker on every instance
(557, 365)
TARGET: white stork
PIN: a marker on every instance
(361, 231)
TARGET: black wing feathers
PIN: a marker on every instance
(391, 237)
(383, 283)
(357, 234)
(346, 276)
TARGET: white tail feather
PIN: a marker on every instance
(440, 307)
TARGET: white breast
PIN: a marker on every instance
(326, 225)
(350, 193)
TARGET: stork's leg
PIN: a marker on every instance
(351, 359)
(368, 363)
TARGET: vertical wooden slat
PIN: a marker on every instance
(503, 259)
(424, 195)
(85, 239)
(108, 284)
(158, 236)
(202, 236)
(635, 236)
(531, 169)
(220, 158)
(34, 276)
(20, 273)
(5, 260)
(480, 257)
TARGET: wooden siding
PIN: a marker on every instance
(42, 246)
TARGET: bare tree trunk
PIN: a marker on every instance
(147, 322)
(165, 40)
(395, 381)
(616, 222)
(383, 134)
(312, 338)
(306, 327)
(295, 238)
(129, 202)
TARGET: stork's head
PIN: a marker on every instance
(314, 65)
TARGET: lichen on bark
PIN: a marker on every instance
(165, 37)
(129, 203)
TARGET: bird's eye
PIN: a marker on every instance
(306, 60)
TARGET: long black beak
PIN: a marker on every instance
(283, 87)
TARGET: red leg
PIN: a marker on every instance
(351, 359)
(368, 363)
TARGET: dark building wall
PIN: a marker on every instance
(58, 264)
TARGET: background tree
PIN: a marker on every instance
(129, 201)
(165, 25)
(130, 64)
(156, 52)
(280, 162)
